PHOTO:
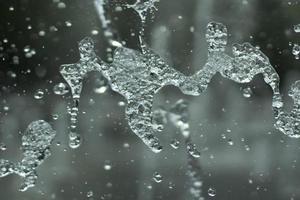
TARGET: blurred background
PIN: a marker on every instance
(242, 155)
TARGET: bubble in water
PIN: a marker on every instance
(212, 192)
(247, 92)
(39, 94)
(60, 89)
(157, 177)
(175, 143)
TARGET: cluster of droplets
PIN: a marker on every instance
(36, 142)
(178, 115)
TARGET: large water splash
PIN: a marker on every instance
(139, 76)
(36, 142)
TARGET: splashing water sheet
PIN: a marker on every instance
(36, 142)
(139, 76)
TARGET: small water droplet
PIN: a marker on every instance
(3, 146)
(212, 192)
(230, 142)
(175, 143)
(39, 94)
(107, 165)
(247, 92)
(157, 177)
(193, 151)
(61, 5)
(90, 193)
(297, 28)
(60, 89)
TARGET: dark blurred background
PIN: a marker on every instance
(242, 155)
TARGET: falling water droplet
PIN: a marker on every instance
(90, 194)
(247, 92)
(296, 51)
(230, 142)
(193, 151)
(212, 192)
(60, 89)
(3, 146)
(157, 177)
(39, 94)
(175, 143)
(297, 28)
(107, 165)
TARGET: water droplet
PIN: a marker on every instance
(212, 192)
(230, 142)
(157, 177)
(68, 23)
(296, 50)
(3, 146)
(297, 28)
(175, 143)
(247, 92)
(39, 94)
(121, 103)
(193, 151)
(107, 165)
(55, 116)
(90, 194)
(61, 5)
(60, 89)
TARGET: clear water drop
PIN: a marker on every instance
(212, 192)
(247, 92)
(90, 194)
(297, 28)
(193, 151)
(175, 143)
(3, 146)
(60, 89)
(39, 94)
(157, 177)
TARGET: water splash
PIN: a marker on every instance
(139, 76)
(142, 8)
(74, 74)
(36, 142)
(289, 123)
